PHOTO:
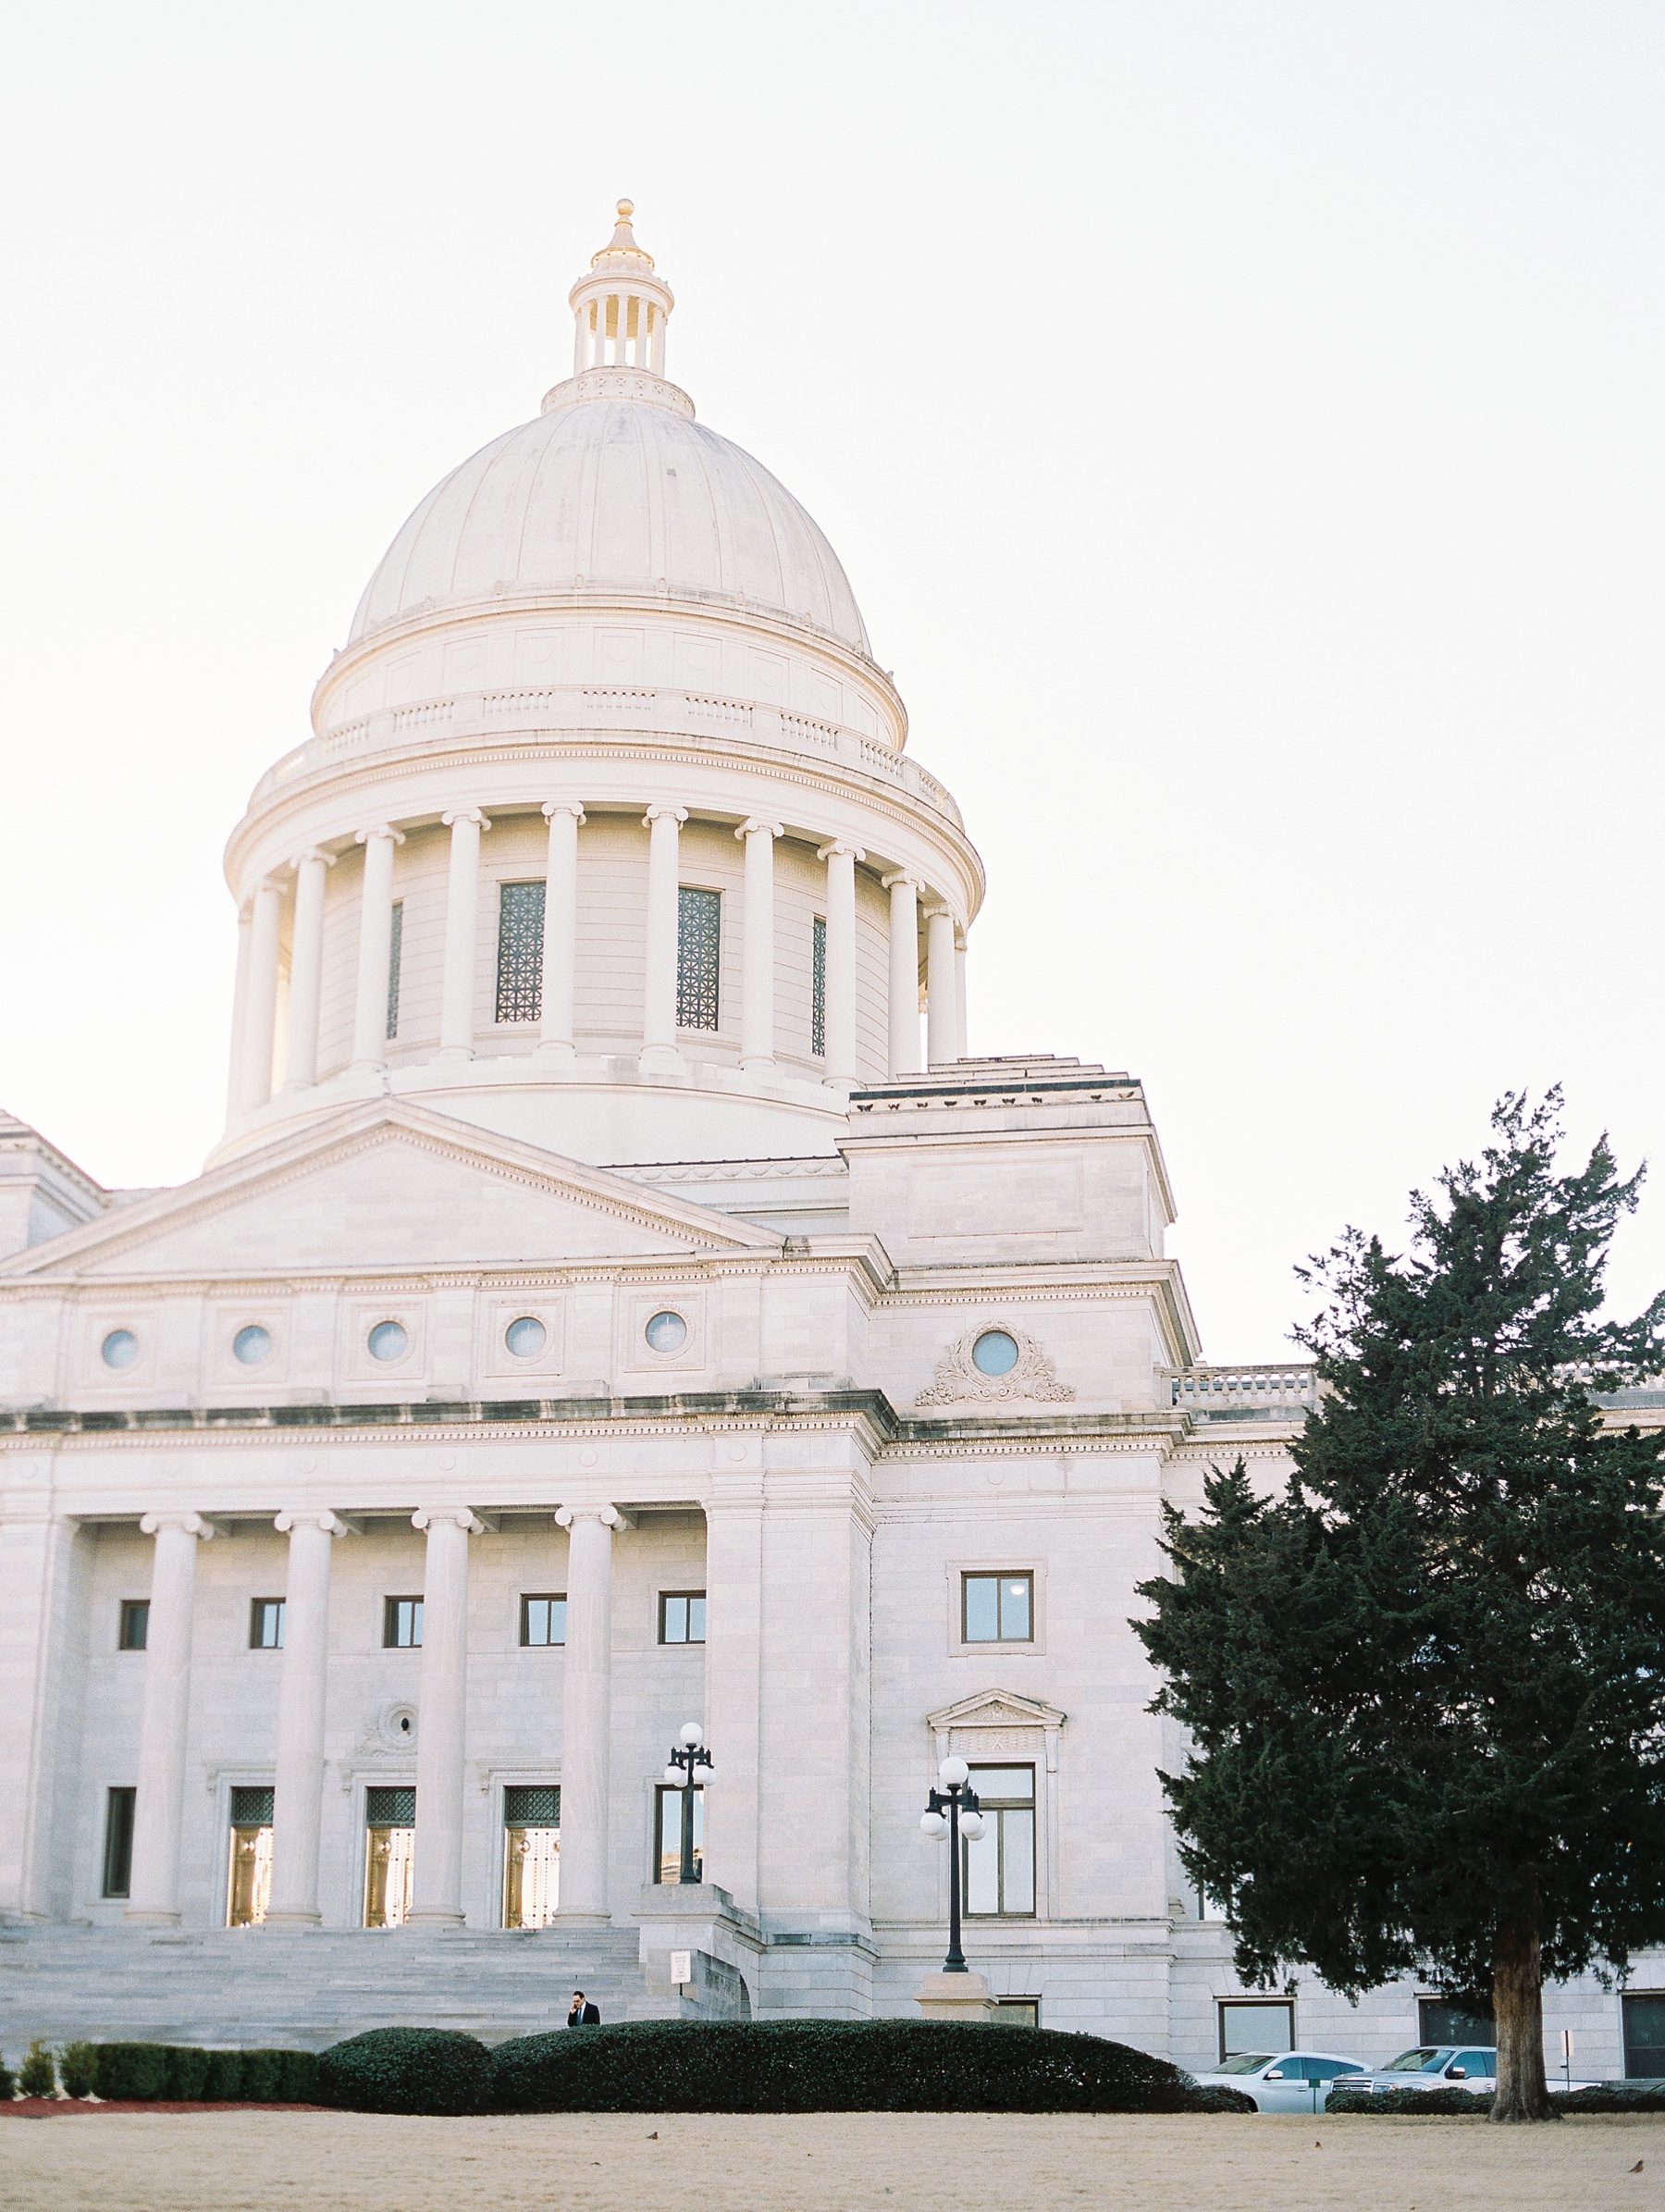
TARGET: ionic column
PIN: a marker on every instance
(154, 1888)
(658, 344)
(441, 1728)
(307, 968)
(376, 948)
(239, 1015)
(585, 1709)
(959, 991)
(615, 307)
(659, 1055)
(462, 933)
(581, 340)
(840, 999)
(298, 1800)
(904, 974)
(941, 1024)
(558, 1040)
(758, 970)
(262, 1015)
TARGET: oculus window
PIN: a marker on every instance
(249, 1874)
(699, 941)
(389, 1854)
(135, 1625)
(252, 1345)
(682, 1617)
(265, 1624)
(543, 1618)
(995, 1352)
(667, 1332)
(531, 1854)
(525, 1338)
(388, 1340)
(1000, 1866)
(520, 952)
(997, 1609)
(401, 1623)
(119, 1349)
(118, 1842)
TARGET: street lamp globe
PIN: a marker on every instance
(953, 1773)
(675, 1779)
(971, 1826)
(693, 1736)
(935, 1826)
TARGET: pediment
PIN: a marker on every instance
(996, 1709)
(387, 1185)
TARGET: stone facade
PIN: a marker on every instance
(541, 1262)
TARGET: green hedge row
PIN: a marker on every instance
(1606, 2096)
(177, 2073)
(795, 2066)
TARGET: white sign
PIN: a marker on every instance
(682, 1966)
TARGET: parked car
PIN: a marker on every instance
(1286, 2080)
(1443, 2066)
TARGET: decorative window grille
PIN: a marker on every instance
(395, 942)
(520, 952)
(532, 1805)
(698, 936)
(390, 1808)
(252, 1808)
(818, 990)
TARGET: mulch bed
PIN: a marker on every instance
(48, 2107)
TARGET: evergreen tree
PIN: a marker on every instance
(1426, 1687)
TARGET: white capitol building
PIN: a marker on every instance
(616, 1301)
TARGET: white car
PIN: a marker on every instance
(1286, 2080)
(1444, 2066)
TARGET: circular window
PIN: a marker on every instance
(252, 1345)
(120, 1348)
(995, 1352)
(526, 1337)
(667, 1332)
(388, 1340)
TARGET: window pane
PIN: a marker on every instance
(401, 1623)
(699, 926)
(982, 1609)
(520, 952)
(543, 1620)
(1005, 1783)
(696, 1620)
(818, 990)
(667, 1836)
(395, 946)
(674, 1621)
(1438, 2021)
(1014, 1608)
(1017, 1861)
(118, 1842)
(982, 1870)
(265, 1624)
(1644, 2037)
(1269, 2027)
(390, 1808)
(252, 1808)
(135, 1624)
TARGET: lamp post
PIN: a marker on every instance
(954, 1813)
(687, 1754)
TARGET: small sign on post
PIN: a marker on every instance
(682, 1966)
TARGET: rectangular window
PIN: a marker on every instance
(543, 1620)
(682, 1616)
(265, 1624)
(389, 1854)
(997, 1609)
(667, 1833)
(249, 1875)
(531, 1854)
(118, 1842)
(401, 1623)
(999, 1866)
(1438, 2020)
(698, 936)
(1644, 2036)
(1018, 2012)
(135, 1624)
(817, 989)
(395, 945)
(520, 952)
(1255, 2026)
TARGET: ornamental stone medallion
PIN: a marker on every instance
(961, 1376)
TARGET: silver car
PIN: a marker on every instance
(1444, 2066)
(1286, 2080)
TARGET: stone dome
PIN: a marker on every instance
(622, 496)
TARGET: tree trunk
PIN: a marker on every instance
(1518, 2010)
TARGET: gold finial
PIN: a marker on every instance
(626, 210)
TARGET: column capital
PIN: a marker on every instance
(192, 1524)
(379, 829)
(564, 806)
(678, 814)
(758, 828)
(331, 1523)
(460, 1517)
(609, 1515)
(838, 848)
(459, 814)
(313, 852)
(902, 876)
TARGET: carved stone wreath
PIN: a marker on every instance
(958, 1376)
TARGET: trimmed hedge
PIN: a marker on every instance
(835, 2066)
(77, 2068)
(222, 2084)
(187, 2069)
(408, 2069)
(183, 2074)
(1455, 2104)
(1614, 2097)
(127, 2071)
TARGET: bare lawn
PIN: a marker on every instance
(835, 2162)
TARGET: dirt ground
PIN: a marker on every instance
(862, 2162)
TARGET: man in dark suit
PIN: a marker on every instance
(584, 2014)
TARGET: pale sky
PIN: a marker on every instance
(1241, 424)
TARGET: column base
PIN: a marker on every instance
(455, 1052)
(660, 1059)
(294, 1919)
(962, 1997)
(557, 1052)
(564, 1919)
(436, 1920)
(144, 1917)
(757, 1063)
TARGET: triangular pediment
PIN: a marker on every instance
(996, 1709)
(387, 1185)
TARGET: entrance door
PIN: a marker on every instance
(531, 1854)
